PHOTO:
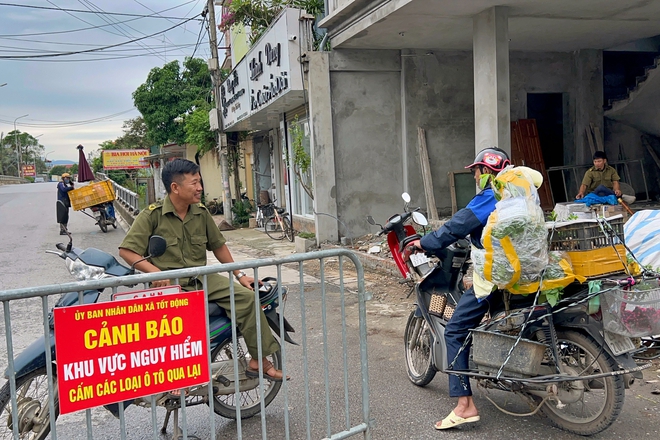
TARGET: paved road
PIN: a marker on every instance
(399, 409)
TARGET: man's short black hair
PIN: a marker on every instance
(174, 171)
(600, 155)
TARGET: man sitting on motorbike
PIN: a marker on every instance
(190, 231)
(471, 308)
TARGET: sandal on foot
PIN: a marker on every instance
(269, 371)
(452, 421)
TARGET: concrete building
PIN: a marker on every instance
(463, 70)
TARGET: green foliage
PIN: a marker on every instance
(301, 161)
(241, 212)
(29, 179)
(259, 14)
(308, 235)
(135, 136)
(198, 131)
(17, 143)
(170, 92)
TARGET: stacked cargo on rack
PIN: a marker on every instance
(593, 249)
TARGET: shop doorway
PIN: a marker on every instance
(548, 111)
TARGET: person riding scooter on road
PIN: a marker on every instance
(471, 308)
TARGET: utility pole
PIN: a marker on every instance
(214, 66)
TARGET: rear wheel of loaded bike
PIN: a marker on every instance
(274, 229)
(103, 220)
(288, 229)
(417, 341)
(213, 207)
(587, 406)
(33, 416)
(250, 399)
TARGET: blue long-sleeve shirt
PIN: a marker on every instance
(468, 221)
(63, 191)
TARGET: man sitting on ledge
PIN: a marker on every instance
(601, 179)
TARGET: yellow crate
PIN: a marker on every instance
(92, 194)
(598, 262)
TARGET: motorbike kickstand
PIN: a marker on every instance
(178, 434)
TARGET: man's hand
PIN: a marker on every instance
(246, 281)
(617, 193)
(579, 196)
(411, 248)
(160, 283)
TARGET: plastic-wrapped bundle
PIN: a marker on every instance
(515, 239)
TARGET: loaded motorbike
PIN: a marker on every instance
(558, 359)
(32, 395)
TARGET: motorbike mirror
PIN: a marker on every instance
(157, 246)
(419, 218)
(371, 220)
(406, 197)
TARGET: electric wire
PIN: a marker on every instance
(33, 34)
(62, 124)
(99, 12)
(199, 37)
(82, 11)
(15, 57)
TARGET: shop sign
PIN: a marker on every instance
(269, 70)
(28, 171)
(125, 159)
(234, 96)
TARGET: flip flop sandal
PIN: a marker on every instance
(254, 374)
(453, 421)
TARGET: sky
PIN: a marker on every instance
(85, 98)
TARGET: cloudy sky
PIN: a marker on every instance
(84, 98)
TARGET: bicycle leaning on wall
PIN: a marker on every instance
(277, 225)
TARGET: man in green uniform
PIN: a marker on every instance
(601, 178)
(190, 231)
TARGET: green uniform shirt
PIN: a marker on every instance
(593, 178)
(187, 240)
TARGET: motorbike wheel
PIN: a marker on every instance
(587, 407)
(213, 208)
(32, 406)
(417, 340)
(102, 222)
(250, 400)
(273, 229)
(288, 229)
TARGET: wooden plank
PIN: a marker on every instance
(534, 159)
(517, 152)
(590, 139)
(599, 138)
(426, 174)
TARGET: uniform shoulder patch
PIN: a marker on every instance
(155, 205)
(201, 205)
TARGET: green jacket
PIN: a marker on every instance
(594, 178)
(187, 240)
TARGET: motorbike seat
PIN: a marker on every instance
(215, 310)
(409, 239)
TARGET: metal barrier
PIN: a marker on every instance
(11, 179)
(338, 357)
(125, 196)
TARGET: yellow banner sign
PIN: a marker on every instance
(125, 159)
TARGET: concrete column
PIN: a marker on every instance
(322, 148)
(588, 102)
(492, 102)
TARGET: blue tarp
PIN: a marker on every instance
(593, 199)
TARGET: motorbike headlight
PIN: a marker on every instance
(82, 271)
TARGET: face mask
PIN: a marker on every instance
(66, 180)
(484, 180)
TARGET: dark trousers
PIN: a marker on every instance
(468, 314)
(603, 191)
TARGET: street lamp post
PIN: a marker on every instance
(18, 154)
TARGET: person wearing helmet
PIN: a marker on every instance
(63, 202)
(470, 310)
